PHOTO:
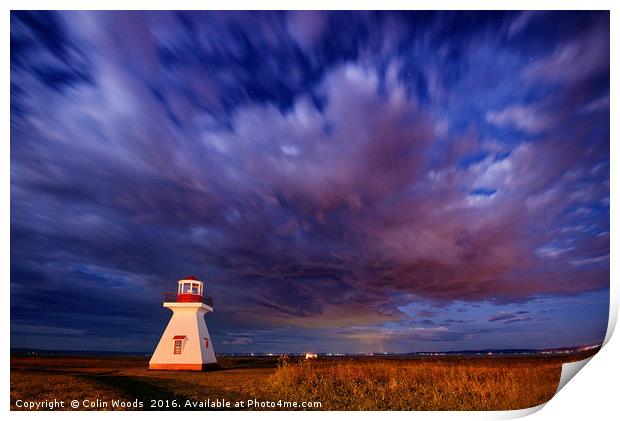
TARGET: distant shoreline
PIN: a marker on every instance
(482, 352)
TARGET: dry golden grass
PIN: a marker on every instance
(429, 383)
(451, 384)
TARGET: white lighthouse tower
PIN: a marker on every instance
(186, 344)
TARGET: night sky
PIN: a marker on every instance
(342, 182)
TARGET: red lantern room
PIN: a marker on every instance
(190, 290)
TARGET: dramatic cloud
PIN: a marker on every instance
(322, 171)
(523, 118)
(519, 316)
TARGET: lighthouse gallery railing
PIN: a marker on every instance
(173, 297)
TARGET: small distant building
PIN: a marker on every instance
(186, 344)
(311, 355)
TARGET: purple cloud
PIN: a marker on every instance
(320, 170)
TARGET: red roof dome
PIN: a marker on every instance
(190, 278)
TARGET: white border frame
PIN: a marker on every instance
(592, 396)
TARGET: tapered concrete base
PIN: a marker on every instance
(189, 367)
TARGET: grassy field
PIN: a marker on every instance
(373, 383)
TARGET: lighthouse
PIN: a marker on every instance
(186, 344)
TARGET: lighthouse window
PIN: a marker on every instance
(206, 343)
(194, 288)
(178, 345)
